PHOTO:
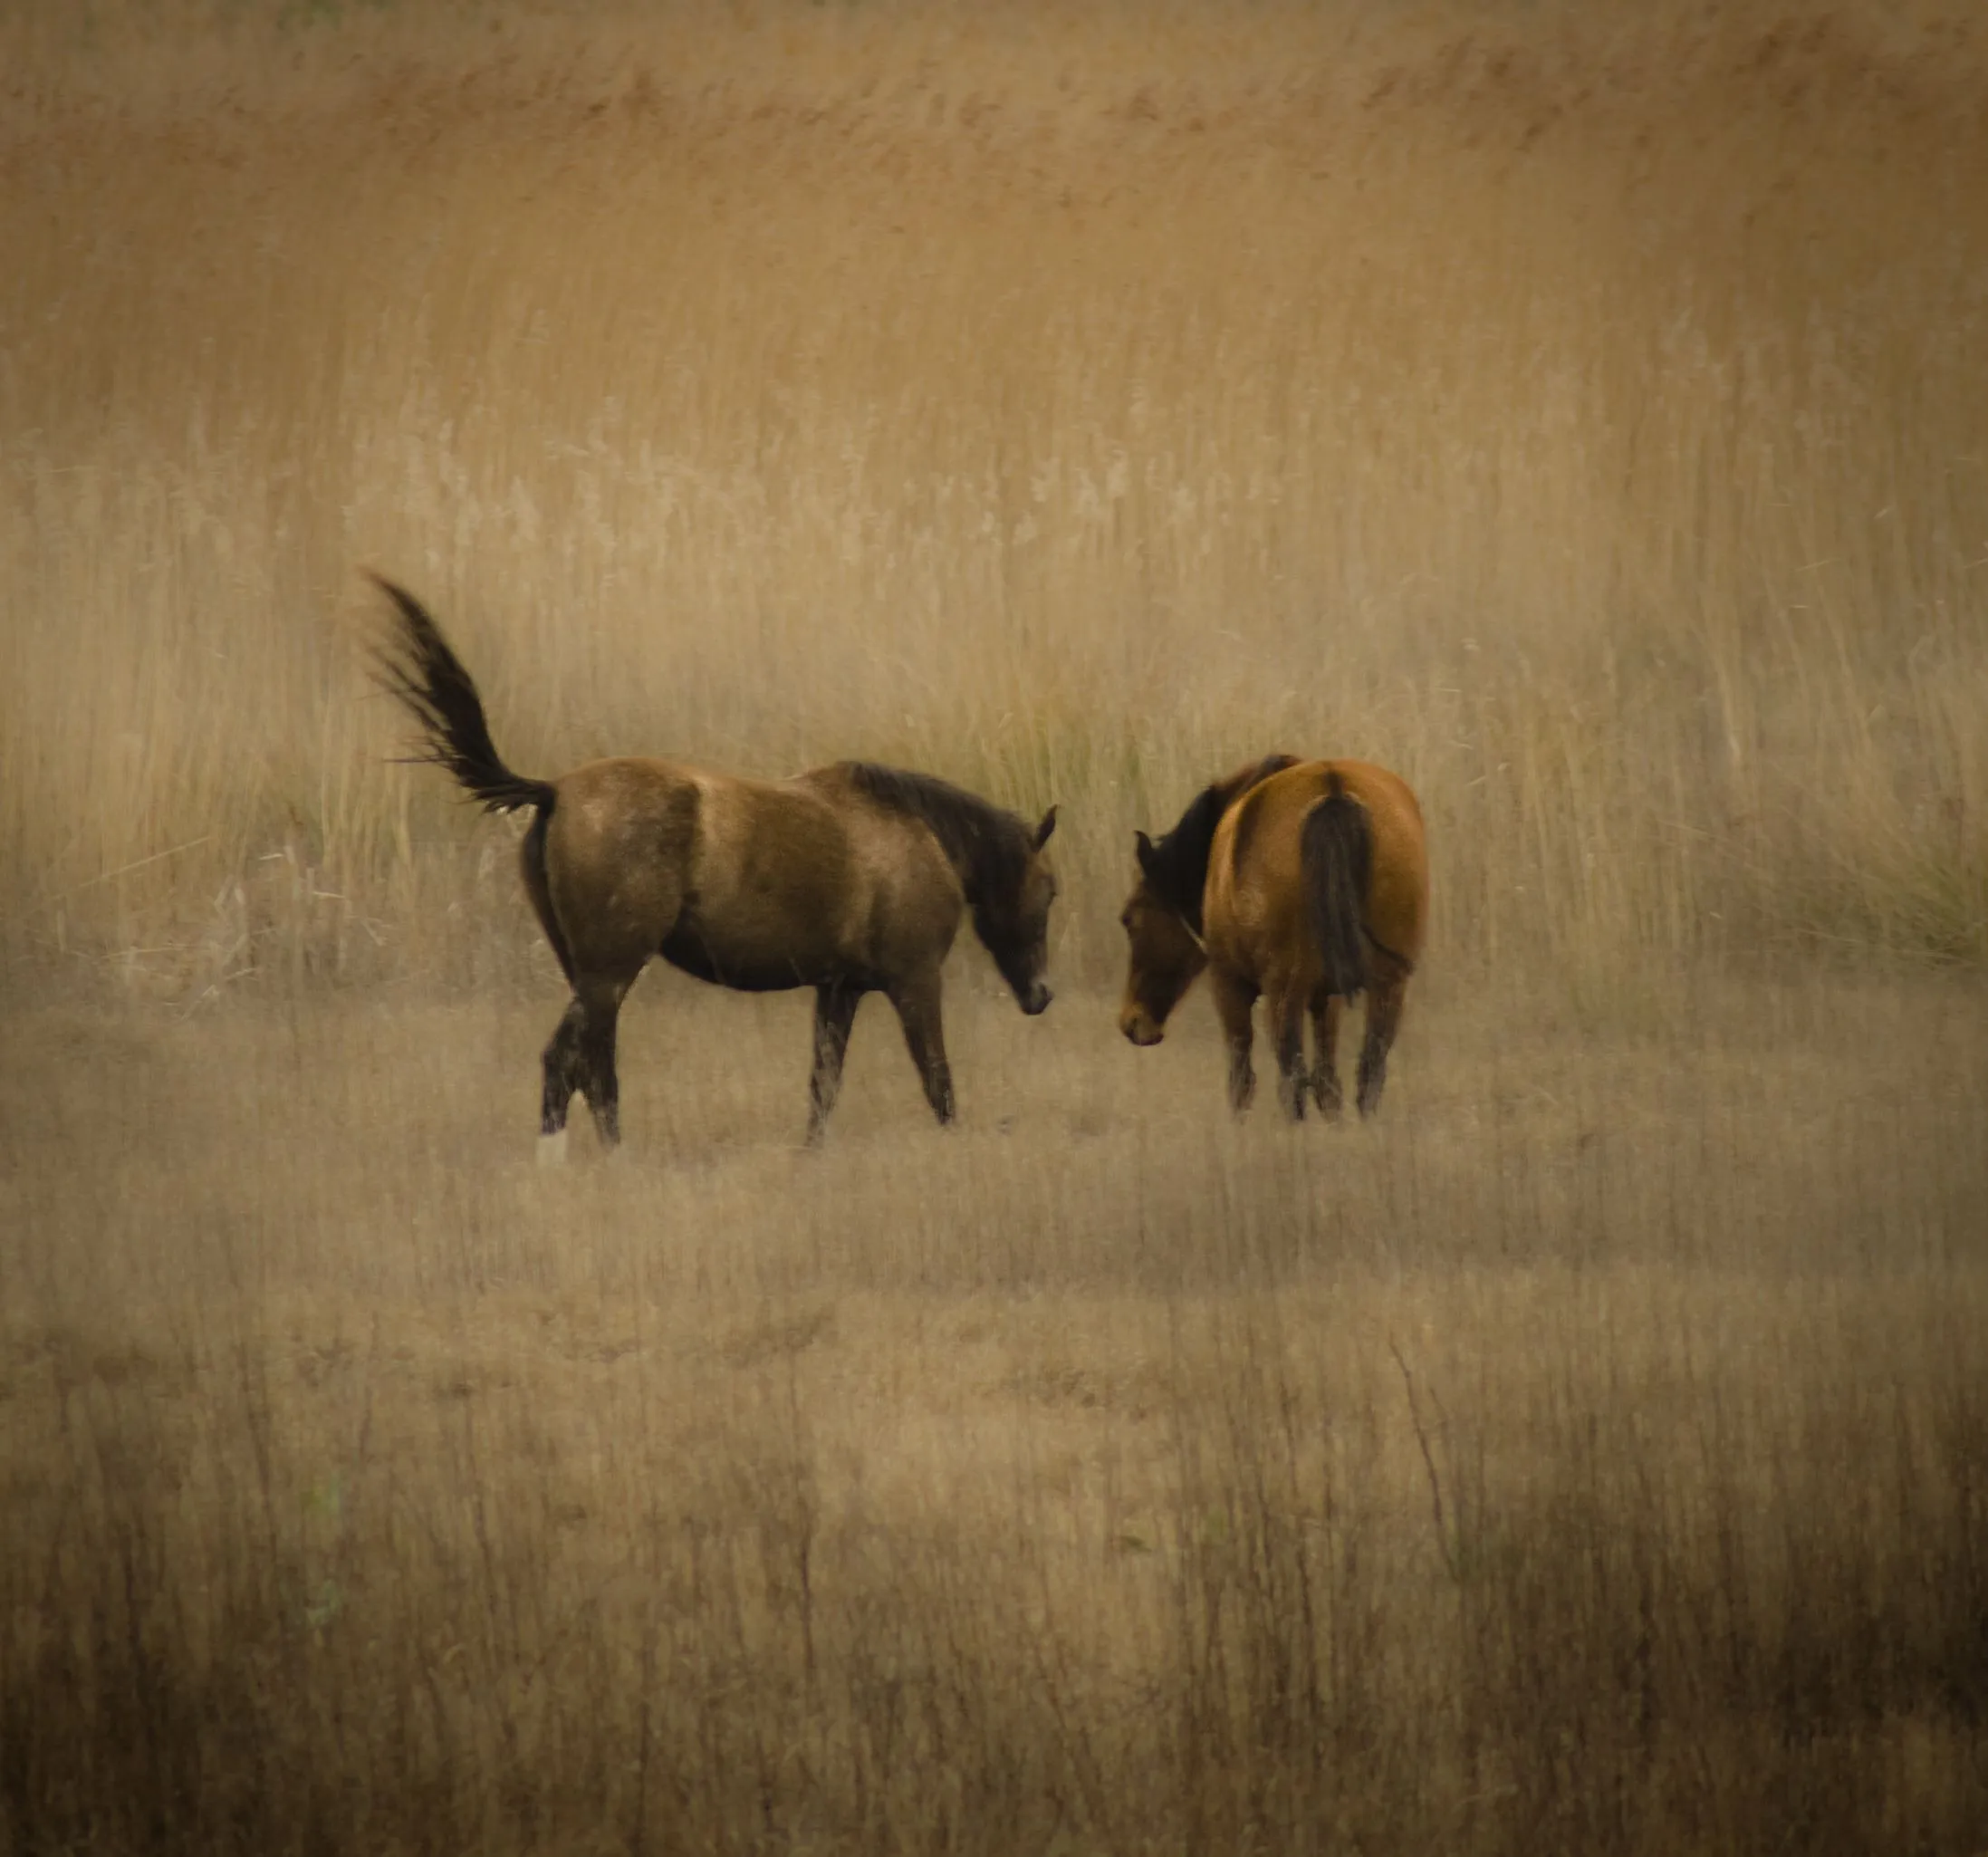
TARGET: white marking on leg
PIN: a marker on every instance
(551, 1149)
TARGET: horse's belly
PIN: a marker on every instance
(748, 959)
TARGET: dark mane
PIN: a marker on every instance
(988, 845)
(1176, 870)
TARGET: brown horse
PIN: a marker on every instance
(849, 879)
(1304, 882)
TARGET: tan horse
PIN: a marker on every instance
(1305, 882)
(850, 878)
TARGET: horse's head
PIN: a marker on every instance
(1164, 955)
(1012, 922)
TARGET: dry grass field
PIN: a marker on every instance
(1578, 407)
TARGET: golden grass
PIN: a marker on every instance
(1585, 1457)
(1577, 409)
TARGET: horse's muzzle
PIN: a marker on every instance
(1141, 1027)
(1035, 1000)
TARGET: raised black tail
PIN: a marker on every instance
(416, 666)
(1336, 856)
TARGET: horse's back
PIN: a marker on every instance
(757, 884)
(1255, 900)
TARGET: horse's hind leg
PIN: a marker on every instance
(1287, 1027)
(580, 1056)
(1386, 994)
(1325, 1013)
(918, 1004)
(598, 1080)
(562, 1066)
(1235, 1000)
(834, 1013)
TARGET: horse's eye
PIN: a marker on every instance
(1125, 921)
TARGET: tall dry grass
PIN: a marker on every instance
(1585, 1458)
(1577, 407)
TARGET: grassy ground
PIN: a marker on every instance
(1587, 1456)
(1577, 408)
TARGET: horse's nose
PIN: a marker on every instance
(1139, 1027)
(1038, 1000)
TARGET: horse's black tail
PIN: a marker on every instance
(416, 666)
(1336, 856)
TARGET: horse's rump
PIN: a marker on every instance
(1313, 890)
(1332, 854)
(538, 888)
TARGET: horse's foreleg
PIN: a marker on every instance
(1385, 997)
(1235, 1000)
(834, 1013)
(918, 1004)
(1325, 1062)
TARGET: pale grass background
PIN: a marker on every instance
(1578, 409)
(1575, 410)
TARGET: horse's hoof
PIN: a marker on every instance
(551, 1149)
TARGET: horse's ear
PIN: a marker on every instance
(1143, 845)
(1045, 828)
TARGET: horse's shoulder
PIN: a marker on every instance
(833, 778)
(835, 788)
(888, 832)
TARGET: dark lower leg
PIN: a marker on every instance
(834, 1013)
(1384, 1004)
(918, 1006)
(560, 1062)
(1293, 1083)
(597, 1080)
(1325, 1062)
(1233, 1003)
